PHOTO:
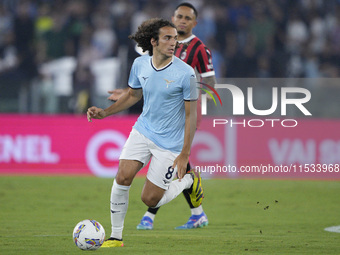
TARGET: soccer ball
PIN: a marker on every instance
(88, 235)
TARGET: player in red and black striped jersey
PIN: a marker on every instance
(192, 51)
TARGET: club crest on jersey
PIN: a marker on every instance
(168, 83)
(183, 55)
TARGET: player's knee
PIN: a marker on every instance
(124, 180)
(149, 200)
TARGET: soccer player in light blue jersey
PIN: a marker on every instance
(193, 52)
(163, 132)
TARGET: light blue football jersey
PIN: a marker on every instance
(164, 90)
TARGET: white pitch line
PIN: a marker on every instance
(48, 235)
(335, 229)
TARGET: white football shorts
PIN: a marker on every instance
(140, 148)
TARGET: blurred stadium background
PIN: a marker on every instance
(61, 56)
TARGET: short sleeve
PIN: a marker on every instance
(204, 63)
(190, 86)
(133, 78)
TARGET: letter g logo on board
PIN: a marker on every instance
(94, 151)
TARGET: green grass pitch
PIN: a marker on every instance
(38, 215)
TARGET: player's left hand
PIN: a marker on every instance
(181, 162)
(209, 97)
(115, 94)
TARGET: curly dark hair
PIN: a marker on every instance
(147, 30)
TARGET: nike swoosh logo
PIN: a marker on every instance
(114, 211)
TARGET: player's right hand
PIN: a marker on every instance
(115, 94)
(95, 113)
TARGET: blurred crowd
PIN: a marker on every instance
(248, 38)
